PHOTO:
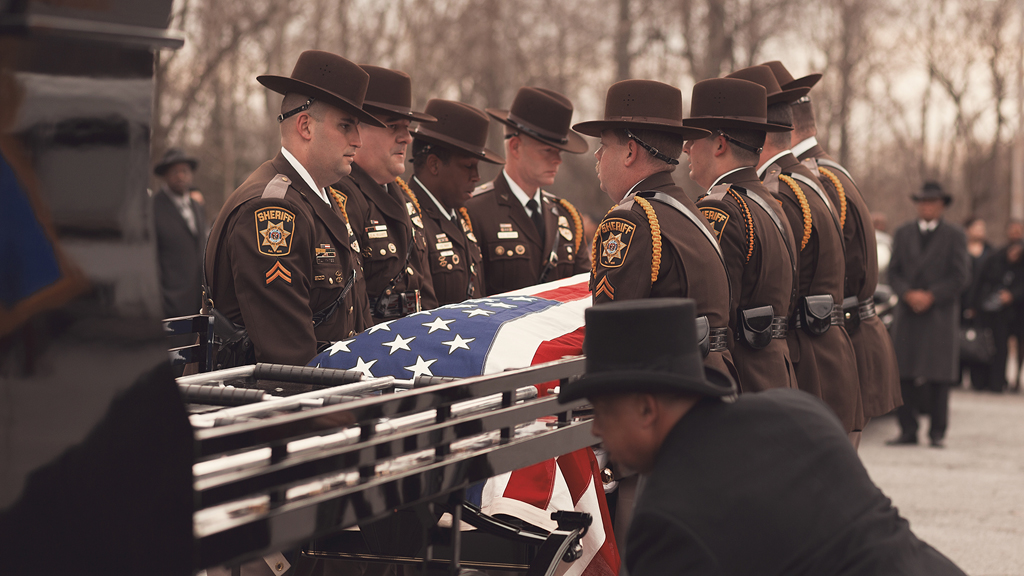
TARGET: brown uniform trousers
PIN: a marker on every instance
(761, 271)
(456, 263)
(512, 251)
(689, 267)
(277, 255)
(388, 225)
(826, 365)
(876, 358)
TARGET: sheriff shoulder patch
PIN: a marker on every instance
(274, 226)
(614, 237)
(717, 218)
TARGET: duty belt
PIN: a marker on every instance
(710, 339)
(397, 305)
(780, 327)
(837, 318)
(855, 311)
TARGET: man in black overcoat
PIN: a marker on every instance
(180, 226)
(929, 270)
(767, 484)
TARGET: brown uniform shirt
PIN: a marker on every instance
(387, 224)
(277, 255)
(689, 267)
(456, 263)
(757, 255)
(876, 358)
(512, 251)
(826, 365)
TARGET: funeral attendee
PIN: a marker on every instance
(445, 155)
(876, 359)
(280, 259)
(998, 288)
(767, 484)
(755, 237)
(978, 250)
(822, 352)
(528, 235)
(382, 210)
(180, 226)
(654, 243)
(928, 271)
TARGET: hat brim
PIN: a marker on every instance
(163, 167)
(575, 144)
(788, 96)
(595, 127)
(712, 123)
(284, 85)
(805, 82)
(713, 383)
(380, 109)
(485, 154)
(946, 198)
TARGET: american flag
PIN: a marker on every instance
(488, 335)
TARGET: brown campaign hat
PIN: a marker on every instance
(786, 79)
(459, 126)
(764, 76)
(390, 94)
(643, 105)
(730, 103)
(544, 115)
(328, 78)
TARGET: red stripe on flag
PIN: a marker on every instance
(533, 484)
(576, 470)
(566, 293)
(570, 344)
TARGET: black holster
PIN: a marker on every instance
(232, 345)
(755, 326)
(815, 313)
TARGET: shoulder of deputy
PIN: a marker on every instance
(620, 228)
(728, 212)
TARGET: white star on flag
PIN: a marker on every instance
(364, 367)
(340, 346)
(421, 367)
(438, 324)
(457, 343)
(461, 306)
(421, 313)
(521, 299)
(479, 312)
(399, 343)
(381, 326)
(503, 305)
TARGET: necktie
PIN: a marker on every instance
(537, 217)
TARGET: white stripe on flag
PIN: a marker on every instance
(517, 341)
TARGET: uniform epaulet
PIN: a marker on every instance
(805, 208)
(277, 187)
(483, 188)
(840, 191)
(577, 221)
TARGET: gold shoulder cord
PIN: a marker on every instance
(465, 218)
(652, 218)
(747, 219)
(576, 220)
(405, 188)
(839, 190)
(805, 209)
(339, 199)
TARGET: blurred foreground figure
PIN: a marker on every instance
(744, 487)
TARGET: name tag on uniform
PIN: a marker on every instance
(380, 231)
(448, 253)
(443, 245)
(508, 235)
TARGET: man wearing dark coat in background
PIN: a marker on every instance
(180, 226)
(767, 484)
(928, 271)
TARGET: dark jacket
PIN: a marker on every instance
(876, 358)
(927, 345)
(180, 254)
(826, 365)
(276, 261)
(513, 255)
(769, 485)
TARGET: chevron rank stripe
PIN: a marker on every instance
(279, 271)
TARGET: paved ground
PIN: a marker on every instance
(966, 500)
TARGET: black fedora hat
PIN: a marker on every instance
(643, 105)
(764, 76)
(171, 157)
(390, 94)
(328, 78)
(544, 115)
(646, 345)
(459, 126)
(730, 103)
(932, 190)
(786, 79)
